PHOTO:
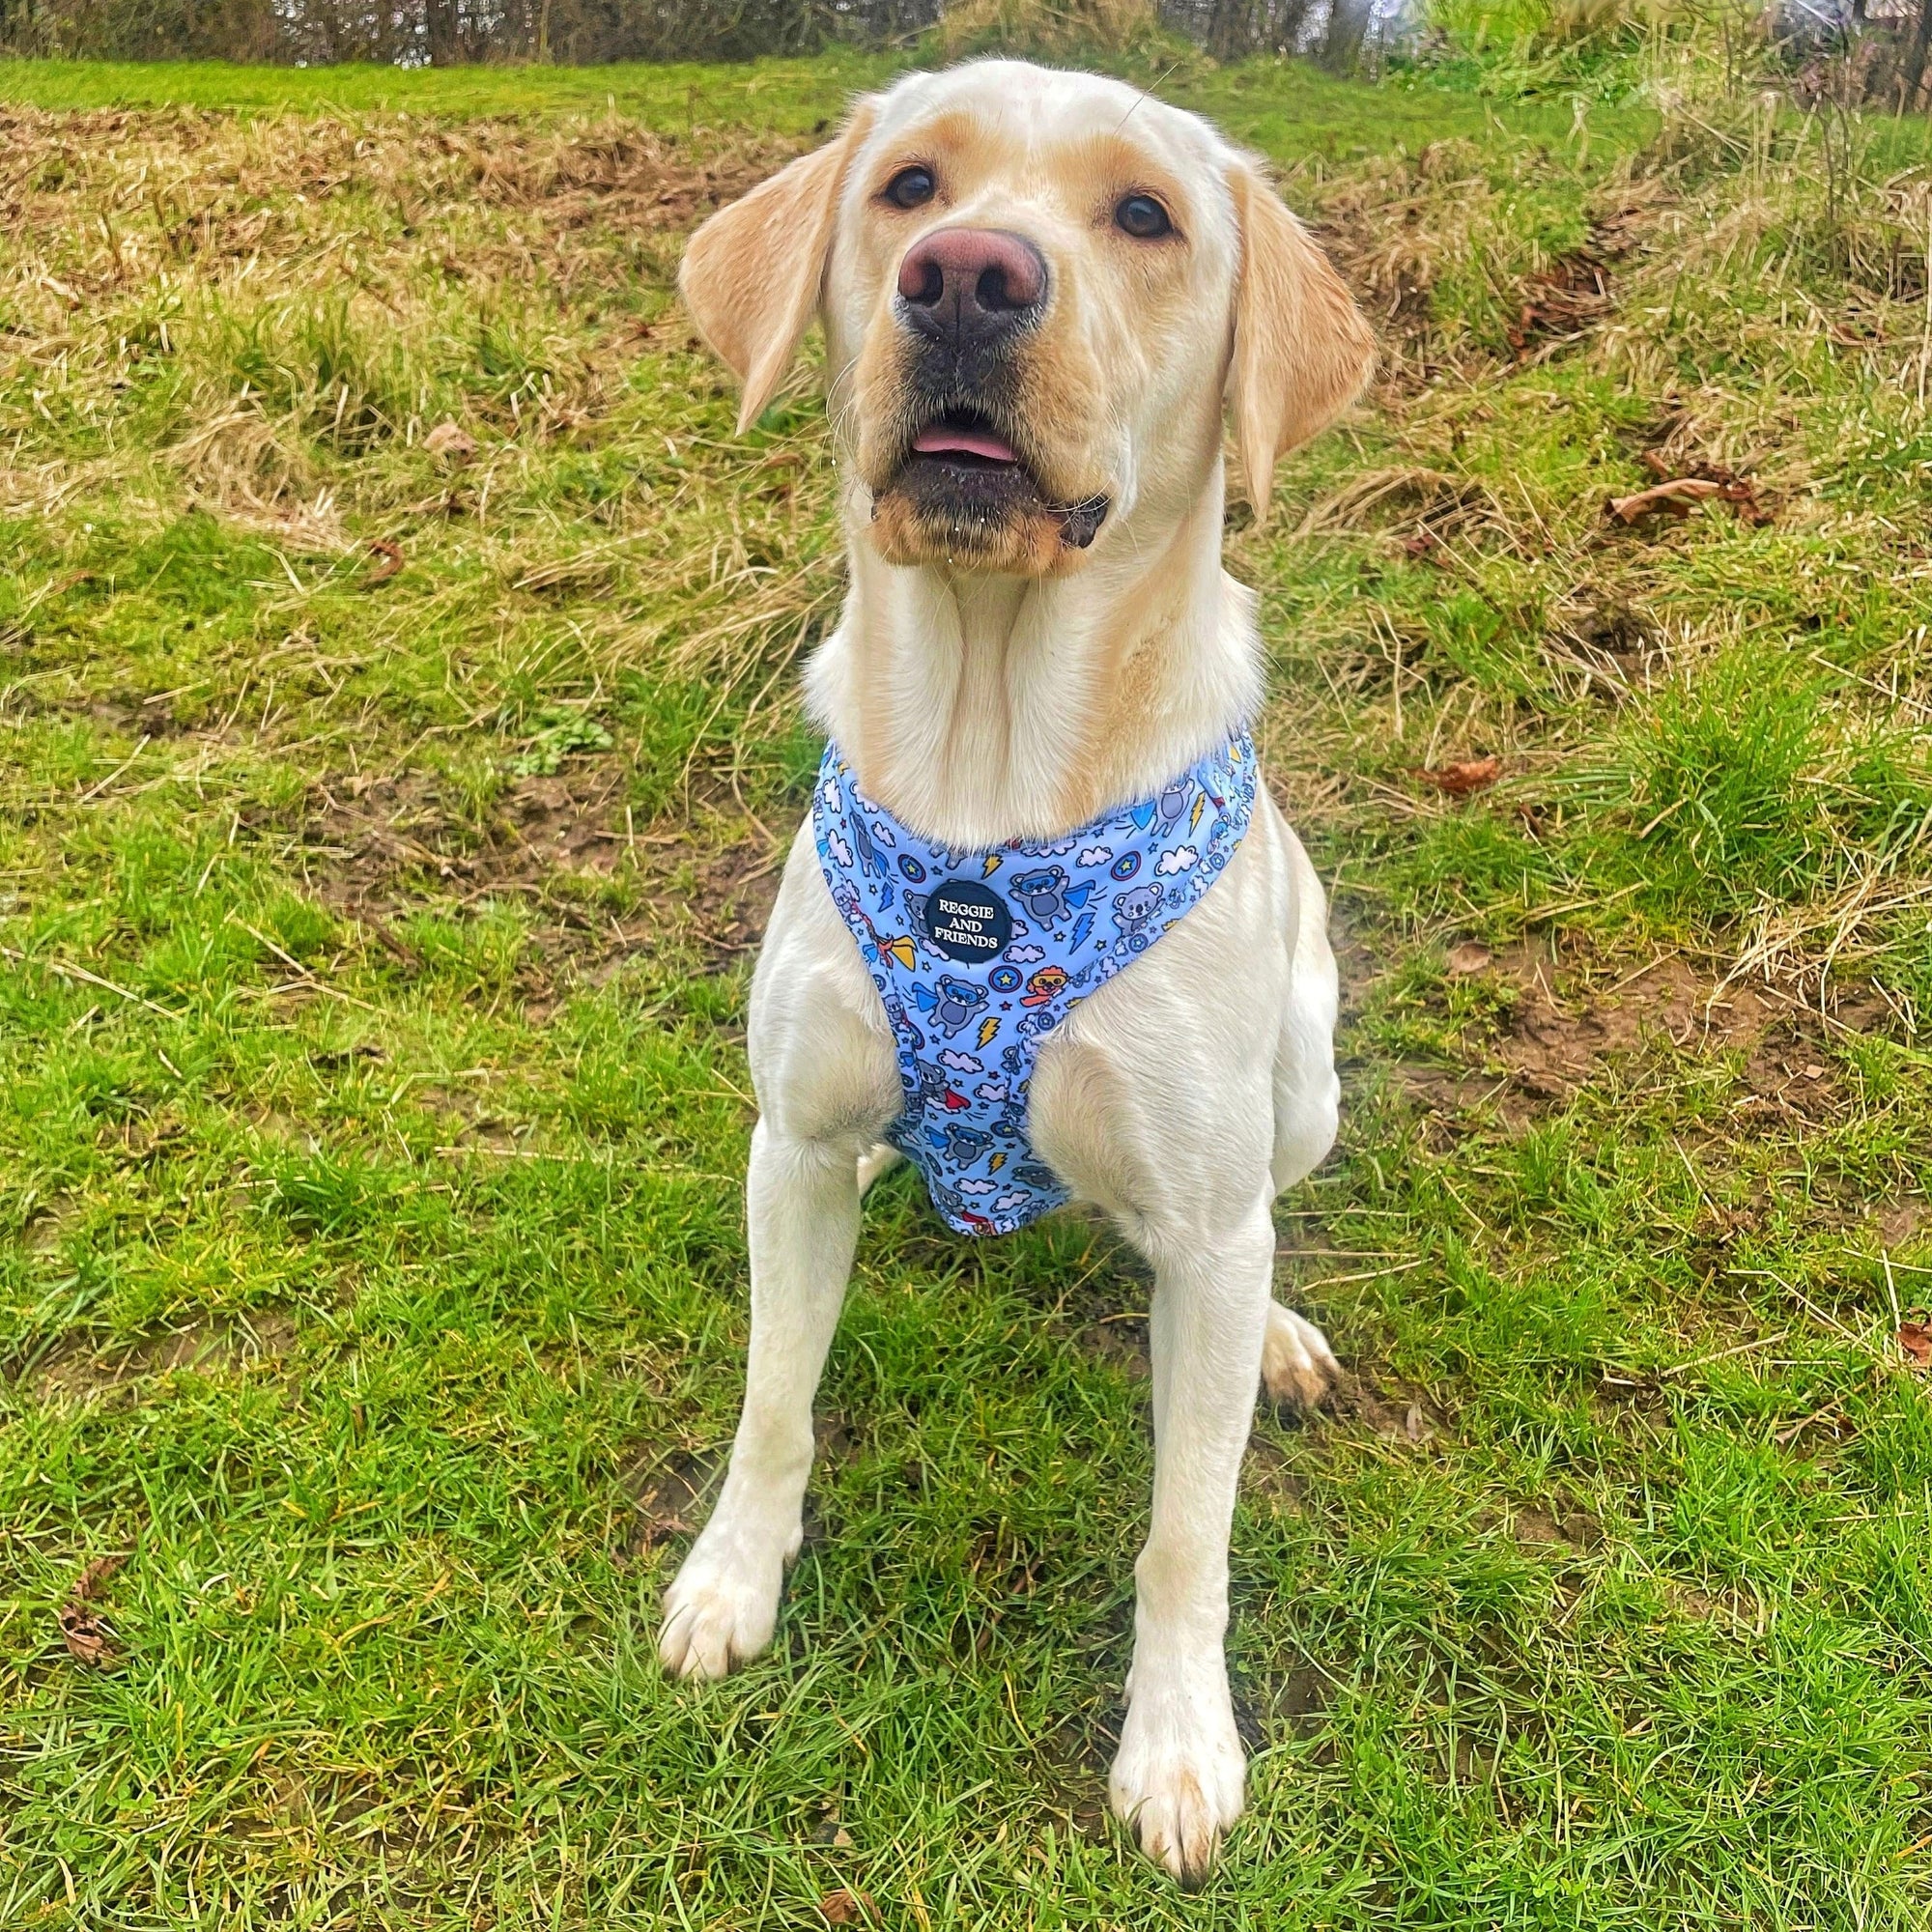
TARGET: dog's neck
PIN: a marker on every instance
(979, 709)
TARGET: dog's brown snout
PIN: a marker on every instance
(972, 283)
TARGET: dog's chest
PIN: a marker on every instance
(978, 956)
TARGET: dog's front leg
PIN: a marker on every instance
(802, 1201)
(1177, 1778)
(828, 1085)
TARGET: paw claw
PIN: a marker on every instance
(1177, 1786)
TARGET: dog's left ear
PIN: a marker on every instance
(1304, 350)
(752, 274)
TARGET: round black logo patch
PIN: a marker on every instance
(968, 920)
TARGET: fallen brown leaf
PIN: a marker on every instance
(1459, 779)
(95, 1577)
(845, 1907)
(1675, 498)
(1677, 495)
(450, 440)
(1915, 1339)
(392, 556)
(88, 1640)
(1741, 491)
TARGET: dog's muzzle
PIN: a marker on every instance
(968, 298)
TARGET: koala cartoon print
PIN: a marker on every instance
(988, 952)
(1134, 912)
(1173, 802)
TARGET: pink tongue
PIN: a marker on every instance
(938, 441)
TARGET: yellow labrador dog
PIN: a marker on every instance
(1037, 291)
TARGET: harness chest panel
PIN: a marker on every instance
(979, 956)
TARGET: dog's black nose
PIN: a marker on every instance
(971, 286)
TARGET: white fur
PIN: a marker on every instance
(1180, 1098)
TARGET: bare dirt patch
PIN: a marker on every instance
(1567, 1022)
(1562, 303)
(85, 1369)
(1561, 1030)
(673, 1496)
(1268, 1477)
(1390, 1411)
(1295, 1702)
(1393, 229)
(1897, 1220)
(1121, 1341)
(391, 846)
(1077, 1754)
(1536, 1527)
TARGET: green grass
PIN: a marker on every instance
(1284, 107)
(373, 1104)
(781, 96)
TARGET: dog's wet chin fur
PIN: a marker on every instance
(977, 517)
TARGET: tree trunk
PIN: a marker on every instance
(1348, 28)
(1911, 69)
(444, 48)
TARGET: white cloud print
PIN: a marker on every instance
(1095, 855)
(975, 1186)
(839, 848)
(1182, 859)
(1000, 1202)
(1024, 955)
(990, 1089)
(962, 1063)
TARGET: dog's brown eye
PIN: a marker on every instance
(911, 187)
(1143, 218)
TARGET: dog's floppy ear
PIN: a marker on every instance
(752, 274)
(1302, 349)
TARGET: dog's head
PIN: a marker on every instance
(1037, 289)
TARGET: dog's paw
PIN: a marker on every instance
(1298, 1368)
(1178, 1779)
(721, 1607)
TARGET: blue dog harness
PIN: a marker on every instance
(979, 957)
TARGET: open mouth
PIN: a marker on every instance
(968, 439)
(964, 478)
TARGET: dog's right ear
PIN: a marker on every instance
(752, 274)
